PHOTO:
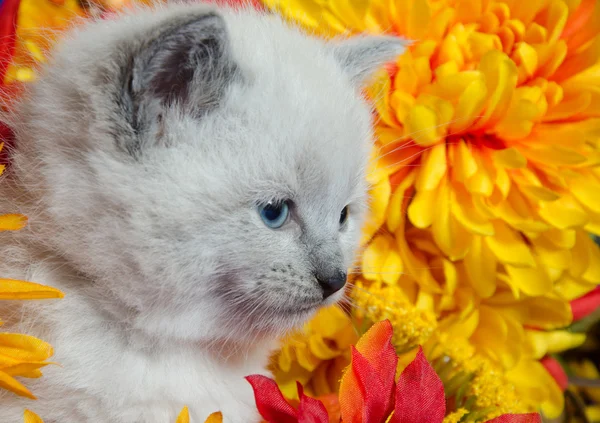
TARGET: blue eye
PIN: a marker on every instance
(274, 214)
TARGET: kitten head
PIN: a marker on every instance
(205, 167)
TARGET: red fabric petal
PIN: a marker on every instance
(9, 11)
(586, 305)
(376, 347)
(556, 371)
(362, 395)
(8, 24)
(517, 418)
(419, 394)
(270, 402)
(310, 409)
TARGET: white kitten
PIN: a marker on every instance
(194, 179)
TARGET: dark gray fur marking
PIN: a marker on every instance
(187, 64)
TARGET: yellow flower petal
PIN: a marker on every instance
(184, 416)
(31, 417)
(531, 281)
(480, 264)
(213, 418)
(11, 384)
(509, 247)
(563, 213)
(11, 289)
(12, 222)
(23, 347)
(553, 342)
(421, 125)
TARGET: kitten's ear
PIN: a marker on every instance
(361, 56)
(188, 64)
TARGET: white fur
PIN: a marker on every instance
(175, 289)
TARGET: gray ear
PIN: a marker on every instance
(187, 63)
(362, 55)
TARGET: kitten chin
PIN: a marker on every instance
(195, 183)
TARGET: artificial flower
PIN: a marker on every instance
(369, 392)
(316, 355)
(484, 173)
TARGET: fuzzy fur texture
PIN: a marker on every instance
(144, 150)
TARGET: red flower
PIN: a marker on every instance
(368, 392)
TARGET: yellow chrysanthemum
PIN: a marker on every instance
(316, 355)
(485, 173)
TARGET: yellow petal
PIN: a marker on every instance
(480, 265)
(563, 213)
(31, 417)
(509, 247)
(550, 256)
(12, 222)
(422, 208)
(450, 237)
(306, 359)
(526, 58)
(421, 125)
(395, 208)
(11, 384)
(11, 289)
(586, 190)
(24, 347)
(532, 281)
(481, 182)
(213, 418)
(321, 349)
(564, 239)
(464, 164)
(547, 313)
(457, 327)
(392, 267)
(379, 91)
(501, 78)
(510, 158)
(491, 333)
(418, 19)
(553, 342)
(570, 288)
(380, 196)
(184, 416)
(375, 255)
(24, 369)
(466, 214)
